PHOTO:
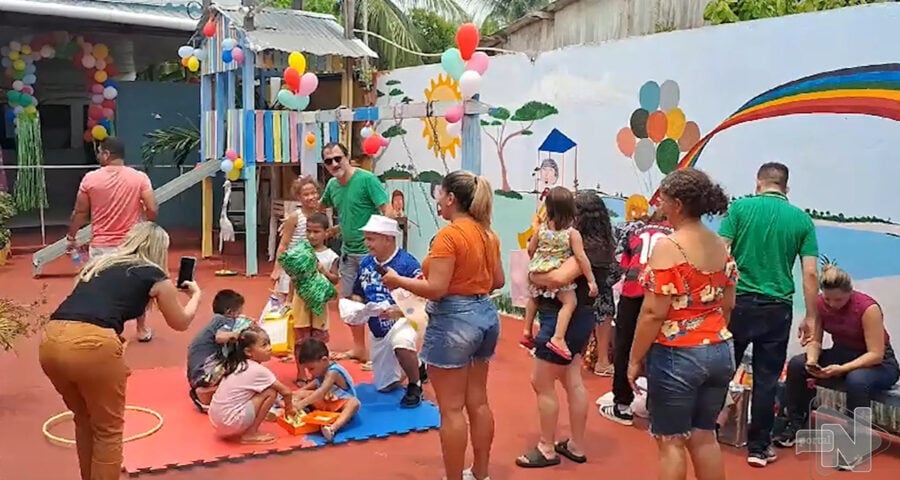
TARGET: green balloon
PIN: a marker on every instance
(26, 100)
(667, 156)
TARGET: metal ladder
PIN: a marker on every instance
(163, 194)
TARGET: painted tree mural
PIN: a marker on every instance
(395, 96)
(499, 130)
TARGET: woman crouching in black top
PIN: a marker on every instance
(82, 349)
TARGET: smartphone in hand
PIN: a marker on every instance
(186, 271)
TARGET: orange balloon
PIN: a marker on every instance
(184, 61)
(656, 126)
(690, 137)
(100, 76)
(626, 142)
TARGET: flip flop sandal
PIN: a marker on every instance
(259, 440)
(563, 354)
(562, 448)
(604, 372)
(340, 356)
(535, 459)
(366, 367)
(197, 403)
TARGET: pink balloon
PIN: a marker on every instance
(385, 142)
(231, 154)
(237, 54)
(479, 62)
(108, 113)
(97, 88)
(309, 82)
(28, 89)
(454, 114)
(97, 99)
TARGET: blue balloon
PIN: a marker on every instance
(10, 114)
(302, 102)
(453, 63)
(649, 96)
(105, 123)
(226, 56)
(228, 44)
(29, 79)
(111, 83)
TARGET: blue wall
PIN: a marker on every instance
(147, 106)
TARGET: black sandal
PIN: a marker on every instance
(534, 458)
(562, 448)
(197, 403)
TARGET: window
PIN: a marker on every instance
(56, 128)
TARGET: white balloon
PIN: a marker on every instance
(46, 51)
(454, 129)
(100, 64)
(110, 93)
(4, 50)
(15, 46)
(19, 109)
(98, 99)
(366, 132)
(644, 154)
(198, 52)
(228, 44)
(469, 84)
(18, 85)
(185, 51)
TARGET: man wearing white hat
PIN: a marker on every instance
(392, 338)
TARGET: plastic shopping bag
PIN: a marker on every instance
(276, 321)
(413, 308)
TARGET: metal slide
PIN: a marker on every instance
(163, 194)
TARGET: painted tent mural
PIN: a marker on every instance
(716, 98)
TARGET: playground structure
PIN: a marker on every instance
(267, 137)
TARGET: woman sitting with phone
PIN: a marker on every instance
(861, 356)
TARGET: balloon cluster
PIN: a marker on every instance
(658, 130)
(372, 140)
(230, 51)
(18, 59)
(299, 85)
(466, 66)
(190, 57)
(232, 165)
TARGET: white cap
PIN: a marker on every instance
(382, 225)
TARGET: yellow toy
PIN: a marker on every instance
(524, 236)
(636, 206)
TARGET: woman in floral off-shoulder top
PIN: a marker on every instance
(682, 340)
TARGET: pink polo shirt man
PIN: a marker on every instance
(115, 194)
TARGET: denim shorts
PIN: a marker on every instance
(577, 335)
(686, 386)
(461, 329)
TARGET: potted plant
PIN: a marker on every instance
(20, 320)
(7, 211)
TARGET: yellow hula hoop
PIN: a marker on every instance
(59, 418)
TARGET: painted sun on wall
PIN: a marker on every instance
(441, 140)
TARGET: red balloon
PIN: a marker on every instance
(95, 112)
(109, 104)
(372, 144)
(88, 136)
(467, 38)
(209, 30)
(111, 70)
(292, 78)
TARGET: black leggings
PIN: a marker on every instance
(626, 320)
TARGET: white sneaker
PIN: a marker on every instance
(468, 475)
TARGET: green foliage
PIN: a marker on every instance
(436, 33)
(330, 7)
(505, 305)
(500, 113)
(732, 11)
(841, 218)
(429, 176)
(181, 142)
(508, 11)
(395, 173)
(393, 131)
(7, 211)
(489, 27)
(534, 111)
(509, 194)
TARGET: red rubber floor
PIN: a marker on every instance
(27, 399)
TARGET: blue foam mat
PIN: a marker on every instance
(381, 416)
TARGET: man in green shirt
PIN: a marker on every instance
(355, 194)
(767, 234)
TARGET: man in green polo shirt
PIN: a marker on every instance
(356, 194)
(767, 234)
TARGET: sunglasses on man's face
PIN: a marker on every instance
(332, 160)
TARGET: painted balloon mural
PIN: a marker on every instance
(658, 130)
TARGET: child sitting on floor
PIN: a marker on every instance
(306, 324)
(248, 390)
(332, 389)
(205, 357)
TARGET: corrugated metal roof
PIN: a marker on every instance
(178, 14)
(294, 30)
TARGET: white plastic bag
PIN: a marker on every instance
(638, 405)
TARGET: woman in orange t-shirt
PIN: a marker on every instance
(462, 268)
(683, 328)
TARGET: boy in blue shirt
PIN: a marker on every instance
(392, 338)
(204, 359)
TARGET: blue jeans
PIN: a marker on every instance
(686, 386)
(577, 335)
(860, 384)
(766, 323)
(461, 329)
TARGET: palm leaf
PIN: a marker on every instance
(180, 142)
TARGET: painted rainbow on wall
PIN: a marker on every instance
(867, 90)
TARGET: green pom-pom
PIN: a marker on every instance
(301, 264)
